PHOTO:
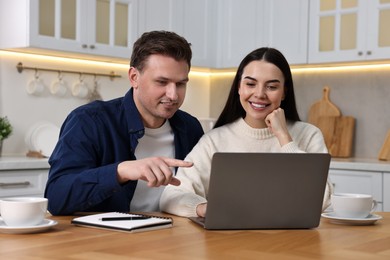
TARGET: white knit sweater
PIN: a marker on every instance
(235, 137)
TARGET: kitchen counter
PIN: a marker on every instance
(360, 164)
(19, 163)
(15, 163)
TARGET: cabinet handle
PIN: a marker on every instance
(8, 184)
(360, 53)
(84, 46)
(369, 52)
(92, 47)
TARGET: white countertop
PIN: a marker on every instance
(16, 163)
(361, 164)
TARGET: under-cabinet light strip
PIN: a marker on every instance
(197, 71)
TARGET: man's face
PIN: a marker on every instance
(159, 90)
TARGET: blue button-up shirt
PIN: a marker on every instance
(93, 140)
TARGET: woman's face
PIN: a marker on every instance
(261, 91)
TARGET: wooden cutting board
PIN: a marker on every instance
(384, 154)
(323, 107)
(338, 133)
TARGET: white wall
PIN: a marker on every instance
(24, 110)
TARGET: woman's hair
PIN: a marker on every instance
(160, 42)
(233, 108)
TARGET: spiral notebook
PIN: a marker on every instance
(126, 222)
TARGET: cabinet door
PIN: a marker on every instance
(29, 182)
(158, 15)
(337, 30)
(112, 27)
(191, 19)
(347, 181)
(239, 30)
(288, 28)
(57, 24)
(378, 31)
(386, 191)
(196, 23)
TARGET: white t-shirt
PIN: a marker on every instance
(155, 142)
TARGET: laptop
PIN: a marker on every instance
(266, 191)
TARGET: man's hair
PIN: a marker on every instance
(160, 42)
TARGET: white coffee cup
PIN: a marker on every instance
(80, 90)
(59, 88)
(35, 87)
(351, 205)
(23, 211)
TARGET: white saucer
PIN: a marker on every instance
(46, 224)
(371, 219)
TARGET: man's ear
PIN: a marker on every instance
(133, 75)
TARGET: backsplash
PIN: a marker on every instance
(361, 94)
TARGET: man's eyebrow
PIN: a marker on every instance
(168, 79)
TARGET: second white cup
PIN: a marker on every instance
(350, 205)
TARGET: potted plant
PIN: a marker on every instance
(5, 130)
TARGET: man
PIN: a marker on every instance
(118, 155)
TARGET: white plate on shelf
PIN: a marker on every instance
(45, 225)
(42, 137)
(371, 219)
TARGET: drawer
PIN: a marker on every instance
(23, 182)
(365, 182)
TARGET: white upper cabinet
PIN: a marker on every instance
(96, 27)
(221, 32)
(349, 30)
(288, 28)
(190, 18)
(250, 24)
(240, 30)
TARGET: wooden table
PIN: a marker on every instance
(188, 241)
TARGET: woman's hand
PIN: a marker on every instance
(201, 210)
(276, 122)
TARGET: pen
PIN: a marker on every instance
(124, 218)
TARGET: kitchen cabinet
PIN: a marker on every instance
(192, 19)
(221, 32)
(92, 27)
(249, 24)
(386, 191)
(349, 30)
(21, 176)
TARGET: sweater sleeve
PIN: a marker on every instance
(182, 200)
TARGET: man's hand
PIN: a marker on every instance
(155, 170)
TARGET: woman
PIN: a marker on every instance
(260, 115)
